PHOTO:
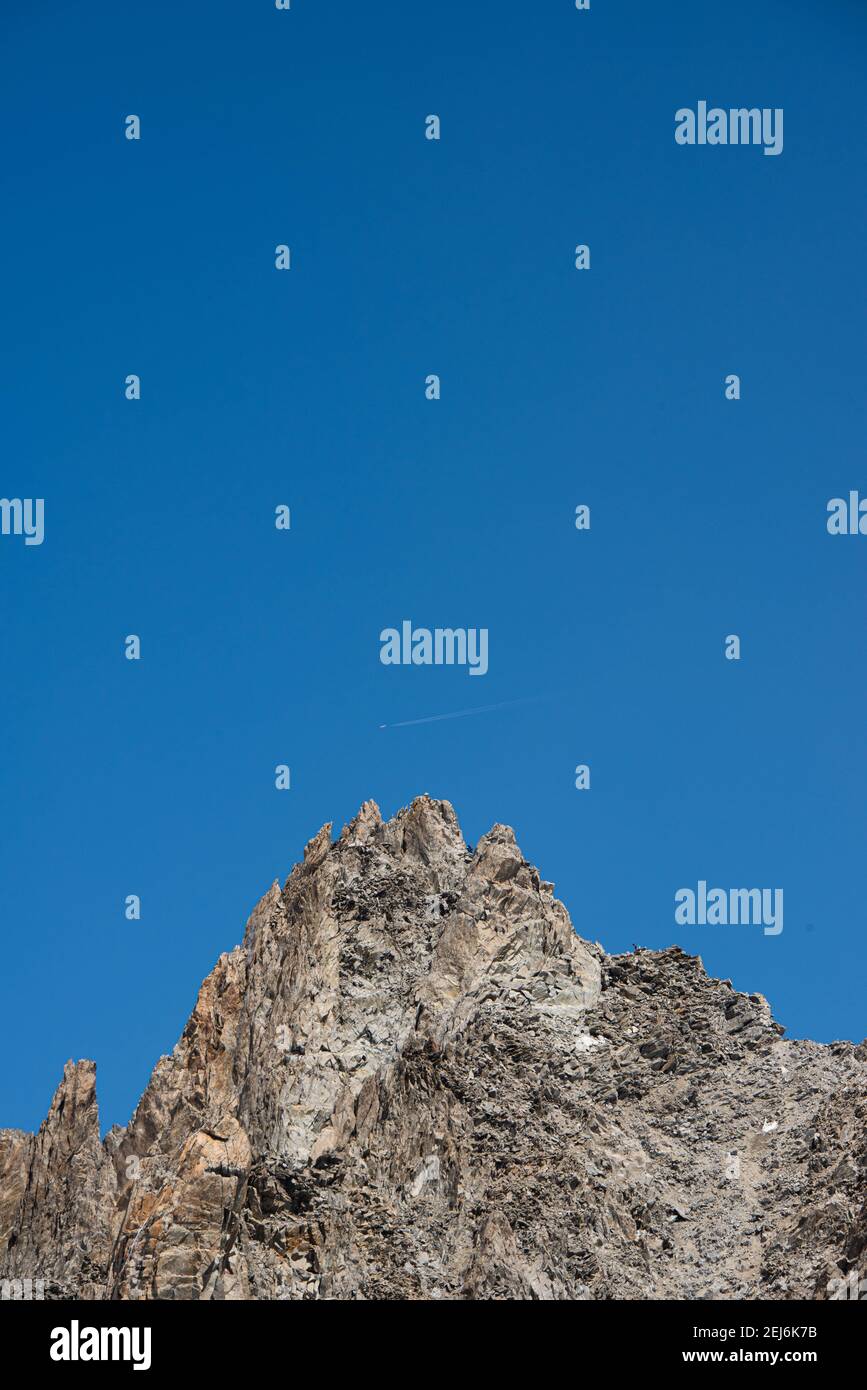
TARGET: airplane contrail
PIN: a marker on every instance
(462, 713)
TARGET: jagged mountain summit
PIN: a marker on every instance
(414, 1080)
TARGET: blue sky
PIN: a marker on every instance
(559, 387)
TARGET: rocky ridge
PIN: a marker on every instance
(414, 1080)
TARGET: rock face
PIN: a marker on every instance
(414, 1080)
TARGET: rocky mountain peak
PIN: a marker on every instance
(414, 1079)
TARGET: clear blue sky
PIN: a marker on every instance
(559, 387)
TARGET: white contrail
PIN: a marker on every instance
(462, 713)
